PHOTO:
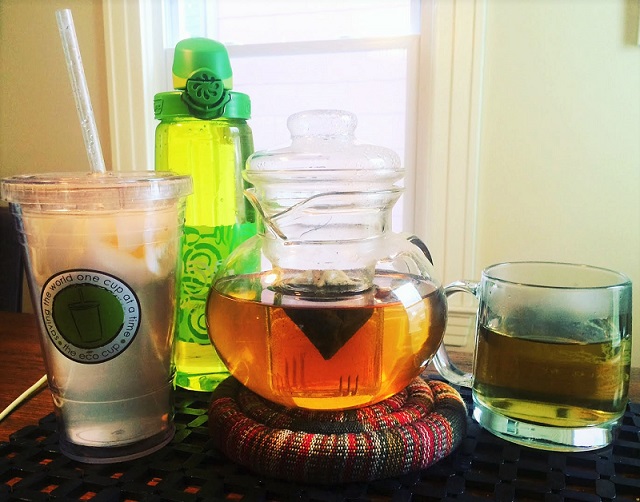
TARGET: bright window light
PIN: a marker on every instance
(291, 55)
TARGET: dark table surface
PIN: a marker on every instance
(192, 469)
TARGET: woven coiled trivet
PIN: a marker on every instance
(405, 433)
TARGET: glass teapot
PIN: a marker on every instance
(326, 308)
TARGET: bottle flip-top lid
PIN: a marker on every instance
(202, 71)
(194, 54)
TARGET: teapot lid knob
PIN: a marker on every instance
(322, 123)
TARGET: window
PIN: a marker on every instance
(440, 48)
(288, 56)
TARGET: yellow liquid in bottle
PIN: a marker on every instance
(217, 219)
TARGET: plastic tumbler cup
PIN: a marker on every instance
(102, 255)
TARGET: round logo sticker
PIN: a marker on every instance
(90, 316)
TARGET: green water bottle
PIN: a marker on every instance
(203, 132)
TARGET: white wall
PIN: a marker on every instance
(560, 136)
(39, 126)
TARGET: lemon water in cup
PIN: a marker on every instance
(553, 353)
(102, 259)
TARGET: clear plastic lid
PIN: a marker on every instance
(324, 149)
(94, 191)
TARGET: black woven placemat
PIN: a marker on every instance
(484, 467)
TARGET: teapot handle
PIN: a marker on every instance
(416, 241)
(441, 361)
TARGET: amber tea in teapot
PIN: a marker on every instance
(326, 308)
(326, 354)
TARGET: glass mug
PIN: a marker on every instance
(553, 353)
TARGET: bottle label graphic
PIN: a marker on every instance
(90, 316)
(203, 250)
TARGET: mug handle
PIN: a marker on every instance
(441, 361)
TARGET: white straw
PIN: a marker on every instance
(23, 397)
(80, 90)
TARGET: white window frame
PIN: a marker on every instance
(444, 188)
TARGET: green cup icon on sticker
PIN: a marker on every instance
(88, 316)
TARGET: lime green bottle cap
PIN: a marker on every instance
(201, 68)
(171, 105)
(196, 54)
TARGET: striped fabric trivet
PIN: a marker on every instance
(407, 432)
